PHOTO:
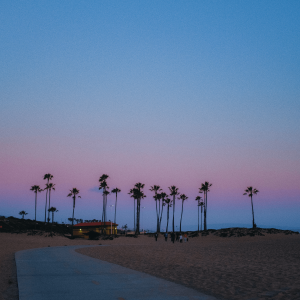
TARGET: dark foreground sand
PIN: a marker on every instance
(259, 267)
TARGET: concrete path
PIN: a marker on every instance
(60, 273)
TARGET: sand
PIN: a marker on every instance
(259, 267)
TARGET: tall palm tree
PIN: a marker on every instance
(163, 196)
(157, 197)
(173, 192)
(36, 189)
(182, 197)
(250, 191)
(49, 187)
(198, 199)
(73, 193)
(205, 189)
(103, 185)
(23, 213)
(47, 177)
(131, 192)
(116, 191)
(201, 204)
(169, 204)
(138, 194)
(52, 210)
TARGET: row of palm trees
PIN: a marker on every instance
(137, 193)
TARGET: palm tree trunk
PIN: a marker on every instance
(35, 206)
(49, 206)
(173, 212)
(46, 206)
(201, 216)
(181, 215)
(134, 214)
(137, 230)
(162, 209)
(198, 218)
(73, 214)
(205, 207)
(253, 223)
(157, 215)
(168, 218)
(115, 219)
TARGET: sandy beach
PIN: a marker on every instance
(258, 267)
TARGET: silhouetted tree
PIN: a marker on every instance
(73, 193)
(201, 204)
(23, 213)
(173, 192)
(49, 187)
(169, 204)
(250, 191)
(116, 191)
(47, 177)
(138, 194)
(198, 199)
(163, 196)
(157, 197)
(183, 198)
(103, 185)
(205, 189)
(36, 189)
(52, 210)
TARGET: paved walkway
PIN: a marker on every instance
(60, 273)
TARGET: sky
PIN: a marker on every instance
(158, 92)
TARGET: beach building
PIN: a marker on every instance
(81, 229)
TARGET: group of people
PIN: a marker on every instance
(178, 237)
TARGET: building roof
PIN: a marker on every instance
(95, 224)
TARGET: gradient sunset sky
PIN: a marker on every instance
(159, 92)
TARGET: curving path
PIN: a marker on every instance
(60, 273)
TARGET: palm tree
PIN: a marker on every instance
(23, 213)
(138, 194)
(47, 177)
(163, 195)
(116, 190)
(49, 187)
(198, 199)
(73, 194)
(131, 192)
(205, 189)
(52, 210)
(103, 185)
(173, 192)
(169, 204)
(36, 189)
(156, 189)
(250, 191)
(183, 197)
(201, 204)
